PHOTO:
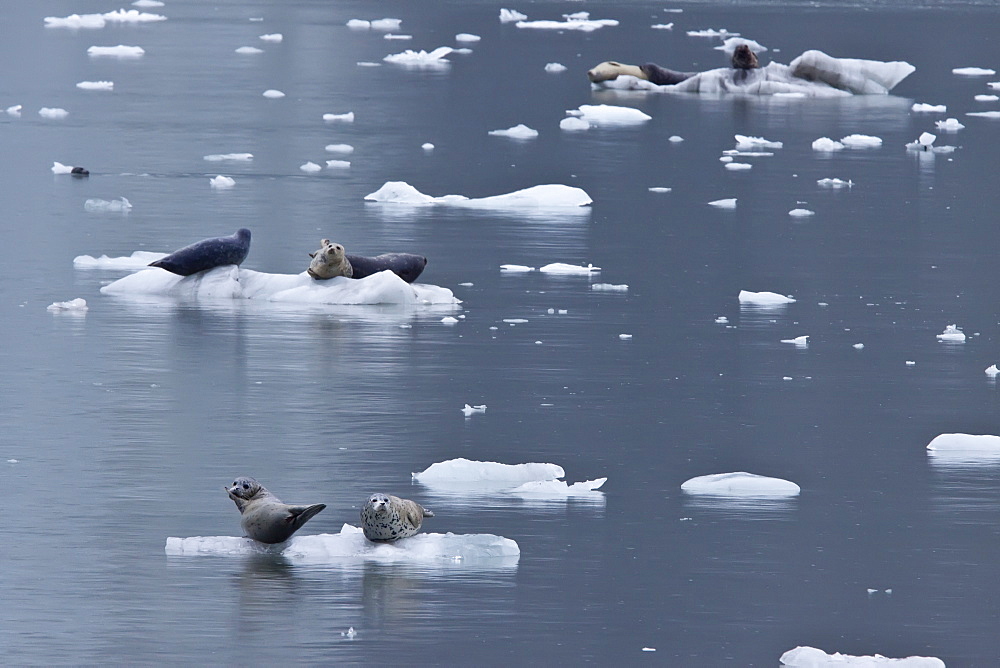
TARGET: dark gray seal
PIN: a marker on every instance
(207, 254)
(386, 518)
(405, 265)
(744, 58)
(265, 517)
(79, 172)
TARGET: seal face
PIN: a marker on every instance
(264, 517)
(329, 261)
(207, 254)
(387, 518)
(407, 266)
(744, 58)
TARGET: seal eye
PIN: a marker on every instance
(246, 486)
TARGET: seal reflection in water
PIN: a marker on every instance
(265, 517)
(207, 254)
(386, 518)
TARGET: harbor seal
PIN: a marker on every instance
(79, 172)
(265, 517)
(610, 70)
(386, 518)
(207, 254)
(329, 261)
(744, 58)
(405, 265)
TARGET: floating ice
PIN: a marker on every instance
(249, 50)
(826, 144)
(858, 346)
(933, 108)
(722, 320)
(53, 113)
(610, 287)
(572, 123)
(800, 341)
(952, 334)
(78, 304)
(467, 37)
(763, 298)
(726, 158)
(120, 51)
(14, 110)
(606, 114)
(558, 488)
(738, 166)
(59, 168)
(410, 58)
(965, 442)
(516, 268)
(992, 370)
(147, 3)
(740, 484)
(835, 183)
(138, 260)
(624, 337)
(338, 164)
(729, 45)
(340, 148)
(449, 320)
(662, 26)
(986, 98)
(995, 85)
(472, 410)
(984, 114)
(427, 146)
(659, 189)
(861, 141)
(949, 125)
(511, 15)
(519, 131)
(572, 22)
(220, 182)
(96, 85)
(554, 68)
(543, 196)
(220, 157)
(712, 32)
(351, 545)
(386, 24)
(463, 470)
(273, 94)
(745, 143)
(232, 282)
(273, 37)
(729, 203)
(564, 269)
(342, 118)
(99, 20)
(132, 16)
(810, 657)
(396, 36)
(801, 213)
(310, 167)
(675, 139)
(115, 206)
(973, 71)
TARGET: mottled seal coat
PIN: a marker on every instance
(265, 517)
(386, 518)
(405, 265)
(329, 261)
(207, 254)
(661, 76)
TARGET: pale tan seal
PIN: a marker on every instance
(265, 517)
(386, 518)
(329, 261)
(610, 70)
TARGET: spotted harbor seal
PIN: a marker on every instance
(386, 518)
(651, 72)
(329, 261)
(265, 517)
(207, 254)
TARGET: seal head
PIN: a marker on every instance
(264, 517)
(386, 518)
(207, 254)
(744, 58)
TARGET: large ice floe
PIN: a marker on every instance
(350, 547)
(532, 481)
(813, 74)
(421, 59)
(543, 196)
(964, 449)
(740, 484)
(811, 657)
(764, 299)
(579, 21)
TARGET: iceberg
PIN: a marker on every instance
(811, 657)
(606, 114)
(511, 15)
(96, 85)
(965, 443)
(410, 58)
(519, 131)
(116, 205)
(463, 471)
(740, 484)
(763, 298)
(568, 269)
(351, 546)
(952, 334)
(543, 196)
(77, 304)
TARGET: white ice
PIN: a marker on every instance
(147, 3)
(933, 108)
(463, 470)
(564, 269)
(722, 320)
(78, 304)
(826, 144)
(861, 141)
(572, 123)
(273, 94)
(662, 26)
(222, 182)
(410, 58)
(675, 139)
(310, 167)
(973, 71)
(341, 118)
(53, 113)
(835, 183)
(949, 125)
(338, 164)
(59, 168)
(740, 484)
(100, 20)
(659, 189)
(115, 206)
(952, 334)
(386, 24)
(511, 15)
(14, 110)
(520, 131)
(738, 166)
(965, 442)
(350, 545)
(359, 24)
(811, 657)
(340, 148)
(986, 98)
(516, 268)
(555, 68)
(800, 341)
(120, 51)
(984, 114)
(729, 203)
(469, 411)
(992, 370)
(467, 37)
(542, 196)
(610, 287)
(138, 260)
(745, 143)
(712, 32)
(232, 282)
(606, 114)
(397, 36)
(249, 50)
(580, 24)
(427, 146)
(96, 85)
(729, 45)
(801, 213)
(220, 157)
(273, 37)
(558, 488)
(995, 85)
(763, 298)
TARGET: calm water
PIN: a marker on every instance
(126, 422)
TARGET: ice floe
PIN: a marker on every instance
(340, 148)
(248, 50)
(740, 484)
(520, 131)
(992, 371)
(511, 15)
(147, 3)
(137, 260)
(738, 166)
(418, 59)
(745, 143)
(516, 268)
(811, 657)
(610, 287)
(347, 117)
(579, 21)
(952, 334)
(101, 205)
(986, 98)
(572, 123)
(232, 282)
(273, 94)
(397, 36)
(973, 71)
(469, 411)
(96, 85)
(558, 488)
(338, 164)
(675, 139)
(763, 298)
(712, 32)
(861, 141)
(835, 183)
(467, 37)
(662, 26)
(350, 545)
(53, 113)
(554, 68)
(236, 157)
(310, 167)
(984, 114)
(606, 114)
(120, 51)
(427, 146)
(78, 304)
(659, 189)
(799, 341)
(729, 203)
(59, 168)
(542, 196)
(965, 442)
(535, 481)
(275, 38)
(949, 125)
(221, 182)
(825, 144)
(801, 213)
(14, 110)
(100, 20)
(564, 269)
(923, 107)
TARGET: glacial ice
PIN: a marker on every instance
(827, 145)
(138, 260)
(763, 298)
(811, 657)
(555, 68)
(100, 205)
(543, 196)
(606, 114)
(740, 484)
(861, 141)
(273, 94)
(120, 51)
(59, 168)
(469, 411)
(467, 37)
(952, 334)
(340, 148)
(232, 282)
(572, 22)
(248, 50)
(53, 113)
(511, 15)
(338, 164)
(220, 157)
(745, 143)
(350, 545)
(417, 59)
(310, 167)
(520, 131)
(564, 269)
(835, 183)
(386, 24)
(221, 182)
(342, 118)
(729, 203)
(609, 287)
(96, 85)
(79, 304)
(738, 166)
(973, 71)
(949, 125)
(276, 37)
(984, 114)
(801, 213)
(462, 470)
(572, 123)
(965, 442)
(932, 108)
(986, 98)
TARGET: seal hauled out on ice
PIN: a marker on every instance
(265, 517)
(386, 518)
(207, 254)
(329, 261)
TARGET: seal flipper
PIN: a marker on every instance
(427, 512)
(299, 515)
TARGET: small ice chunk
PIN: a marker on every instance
(984, 114)
(801, 341)
(949, 125)
(236, 157)
(729, 203)
(722, 320)
(397, 36)
(675, 139)
(929, 108)
(14, 110)
(712, 32)
(310, 167)
(246, 50)
(835, 183)
(467, 37)
(359, 24)
(116, 205)
(120, 51)
(745, 143)
(662, 26)
(339, 148)
(738, 166)
(273, 94)
(559, 488)
(861, 141)
(572, 123)
(563, 269)
(386, 24)
(952, 334)
(729, 45)
(96, 85)
(54, 113)
(858, 346)
(511, 15)
(801, 213)
(338, 164)
(466, 470)
(59, 168)
(659, 189)
(132, 16)
(992, 370)
(516, 268)
(576, 21)
(519, 131)
(220, 182)
(342, 118)
(273, 37)
(515, 321)
(75, 21)
(435, 58)
(138, 260)
(726, 158)
(986, 98)
(555, 68)
(995, 85)
(427, 146)
(624, 337)
(910, 363)
(471, 410)
(610, 287)
(449, 320)
(763, 298)
(740, 484)
(826, 144)
(973, 71)
(607, 114)
(958, 441)
(804, 656)
(78, 304)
